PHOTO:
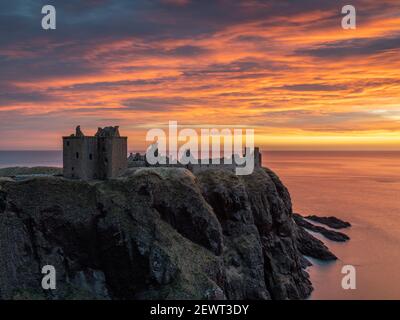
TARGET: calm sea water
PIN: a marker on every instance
(361, 187)
(30, 158)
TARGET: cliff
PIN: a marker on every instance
(155, 233)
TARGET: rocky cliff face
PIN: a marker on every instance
(154, 234)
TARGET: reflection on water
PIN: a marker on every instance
(363, 188)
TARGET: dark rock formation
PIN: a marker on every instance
(312, 247)
(329, 234)
(331, 222)
(155, 234)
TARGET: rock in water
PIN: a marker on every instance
(331, 222)
(329, 234)
(312, 247)
(158, 233)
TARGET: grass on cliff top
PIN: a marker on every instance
(17, 171)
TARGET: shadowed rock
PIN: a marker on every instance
(329, 234)
(312, 247)
(158, 233)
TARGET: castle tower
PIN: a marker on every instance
(102, 156)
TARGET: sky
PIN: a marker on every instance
(285, 68)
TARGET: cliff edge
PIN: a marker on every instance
(156, 233)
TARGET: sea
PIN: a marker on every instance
(360, 187)
(364, 189)
(30, 159)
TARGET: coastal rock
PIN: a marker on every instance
(3, 196)
(243, 252)
(157, 233)
(329, 234)
(331, 222)
(312, 247)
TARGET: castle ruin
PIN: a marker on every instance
(138, 160)
(103, 156)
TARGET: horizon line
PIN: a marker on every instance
(274, 150)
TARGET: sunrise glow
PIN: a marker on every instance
(288, 71)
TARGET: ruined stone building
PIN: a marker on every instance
(139, 160)
(102, 156)
(257, 156)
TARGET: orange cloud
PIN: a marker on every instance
(300, 80)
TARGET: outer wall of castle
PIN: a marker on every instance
(94, 157)
(113, 156)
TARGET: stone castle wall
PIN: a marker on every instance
(87, 157)
(139, 160)
(80, 157)
(113, 153)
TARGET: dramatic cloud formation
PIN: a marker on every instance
(285, 68)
